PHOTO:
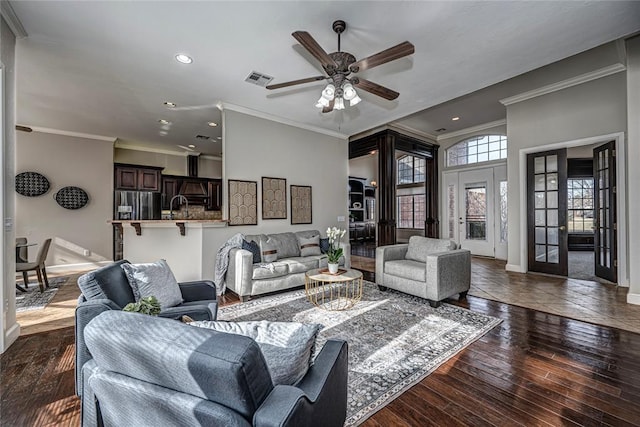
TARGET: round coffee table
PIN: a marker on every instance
(334, 292)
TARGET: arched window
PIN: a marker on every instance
(477, 149)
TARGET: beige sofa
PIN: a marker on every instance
(248, 279)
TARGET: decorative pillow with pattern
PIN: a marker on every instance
(269, 250)
(309, 246)
(254, 248)
(324, 245)
(287, 347)
(154, 279)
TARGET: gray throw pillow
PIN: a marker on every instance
(269, 250)
(287, 347)
(154, 279)
(309, 246)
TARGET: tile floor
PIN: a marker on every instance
(589, 301)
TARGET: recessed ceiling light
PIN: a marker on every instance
(212, 124)
(164, 122)
(191, 146)
(184, 59)
(169, 104)
(455, 118)
(163, 132)
(218, 137)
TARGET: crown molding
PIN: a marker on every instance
(134, 147)
(12, 20)
(473, 129)
(111, 139)
(226, 106)
(414, 132)
(564, 84)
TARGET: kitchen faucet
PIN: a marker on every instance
(180, 197)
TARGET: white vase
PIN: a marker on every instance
(333, 267)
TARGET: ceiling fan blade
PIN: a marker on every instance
(388, 55)
(309, 43)
(296, 82)
(329, 108)
(375, 89)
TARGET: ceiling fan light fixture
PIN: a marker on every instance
(349, 91)
(329, 92)
(322, 102)
(338, 104)
(355, 100)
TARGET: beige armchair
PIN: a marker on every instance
(434, 269)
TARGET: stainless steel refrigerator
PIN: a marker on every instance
(133, 205)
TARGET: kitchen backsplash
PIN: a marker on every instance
(195, 212)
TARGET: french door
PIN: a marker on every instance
(474, 210)
(605, 244)
(547, 212)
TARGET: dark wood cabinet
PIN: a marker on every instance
(170, 187)
(137, 178)
(215, 194)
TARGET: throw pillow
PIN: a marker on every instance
(324, 245)
(154, 279)
(287, 347)
(309, 246)
(254, 249)
(269, 250)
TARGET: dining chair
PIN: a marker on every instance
(22, 255)
(37, 266)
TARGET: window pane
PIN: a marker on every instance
(452, 210)
(476, 212)
(503, 211)
(477, 149)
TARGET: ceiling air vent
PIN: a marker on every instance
(205, 137)
(258, 79)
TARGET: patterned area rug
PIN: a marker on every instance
(33, 299)
(395, 340)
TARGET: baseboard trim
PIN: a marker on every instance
(12, 334)
(64, 268)
(516, 268)
(633, 299)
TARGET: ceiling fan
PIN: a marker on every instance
(340, 65)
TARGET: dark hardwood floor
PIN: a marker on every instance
(533, 369)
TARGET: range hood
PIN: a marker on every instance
(194, 188)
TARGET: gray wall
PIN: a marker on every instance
(633, 168)
(587, 110)
(10, 329)
(67, 161)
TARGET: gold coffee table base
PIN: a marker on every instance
(333, 292)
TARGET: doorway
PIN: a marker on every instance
(475, 214)
(572, 212)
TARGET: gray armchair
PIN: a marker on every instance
(108, 288)
(434, 269)
(156, 372)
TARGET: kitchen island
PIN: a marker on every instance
(189, 245)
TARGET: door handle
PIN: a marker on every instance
(562, 228)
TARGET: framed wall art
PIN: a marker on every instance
(243, 202)
(301, 204)
(274, 198)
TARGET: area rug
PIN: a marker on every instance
(395, 340)
(33, 299)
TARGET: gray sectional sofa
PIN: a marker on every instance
(246, 278)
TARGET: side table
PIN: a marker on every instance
(333, 292)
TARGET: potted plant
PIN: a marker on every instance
(148, 305)
(335, 251)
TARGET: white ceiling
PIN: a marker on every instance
(106, 67)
